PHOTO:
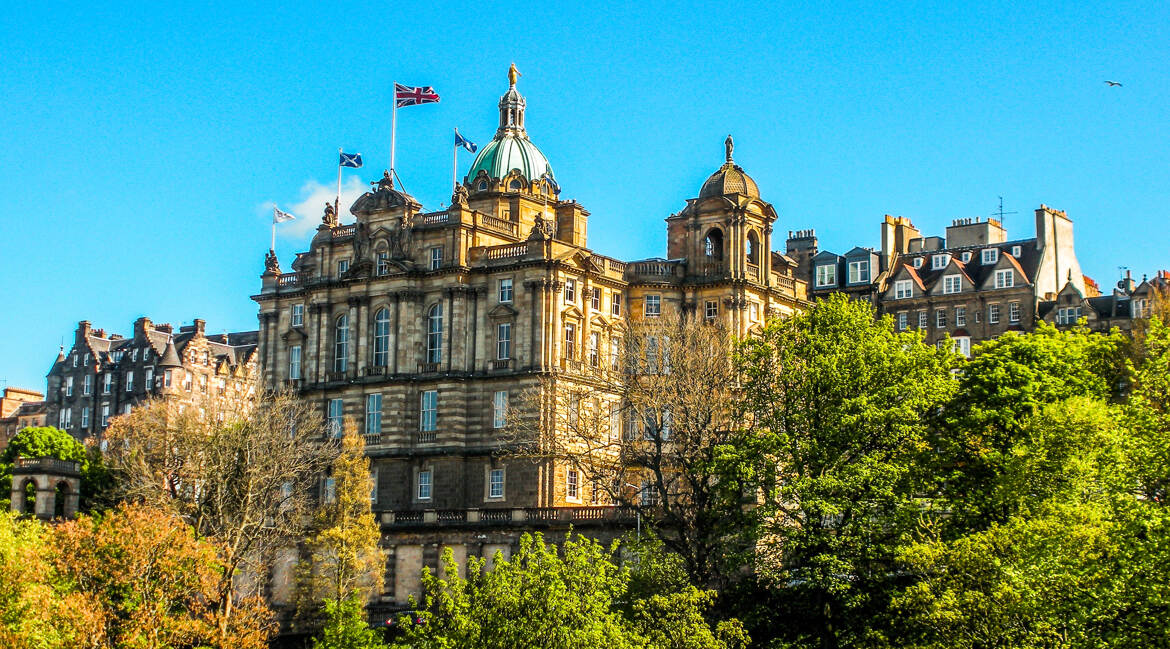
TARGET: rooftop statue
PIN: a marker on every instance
(513, 74)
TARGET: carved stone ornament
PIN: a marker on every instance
(271, 264)
(386, 182)
(460, 195)
(330, 218)
(541, 231)
(361, 242)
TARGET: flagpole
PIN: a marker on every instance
(455, 164)
(393, 129)
(273, 246)
(337, 203)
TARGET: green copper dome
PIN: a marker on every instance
(510, 148)
(508, 152)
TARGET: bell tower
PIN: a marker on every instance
(725, 233)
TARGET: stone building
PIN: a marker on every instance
(1128, 302)
(104, 375)
(426, 327)
(20, 409)
(969, 286)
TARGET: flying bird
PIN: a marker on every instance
(1112, 83)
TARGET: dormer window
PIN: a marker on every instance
(1016, 250)
(966, 257)
(1005, 278)
(903, 290)
(917, 263)
(859, 272)
(826, 275)
(952, 284)
(516, 185)
(938, 262)
(990, 255)
(482, 186)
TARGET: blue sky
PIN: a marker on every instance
(141, 144)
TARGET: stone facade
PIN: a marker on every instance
(104, 375)
(970, 286)
(20, 409)
(427, 328)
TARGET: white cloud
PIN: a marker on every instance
(310, 206)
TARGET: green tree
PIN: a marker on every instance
(1009, 379)
(839, 406)
(53, 442)
(344, 564)
(577, 599)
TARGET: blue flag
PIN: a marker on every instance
(464, 142)
(351, 160)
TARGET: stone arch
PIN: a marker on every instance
(61, 499)
(26, 497)
(753, 247)
(713, 244)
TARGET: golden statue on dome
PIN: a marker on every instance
(513, 74)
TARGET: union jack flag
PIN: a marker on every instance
(408, 96)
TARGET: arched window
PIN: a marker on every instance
(516, 185)
(341, 344)
(382, 338)
(482, 186)
(713, 244)
(753, 246)
(435, 334)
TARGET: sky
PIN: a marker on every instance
(142, 146)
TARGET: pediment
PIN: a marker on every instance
(502, 311)
(572, 312)
(294, 335)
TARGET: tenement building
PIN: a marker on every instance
(104, 375)
(20, 409)
(969, 286)
(425, 327)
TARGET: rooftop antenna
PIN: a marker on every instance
(1000, 213)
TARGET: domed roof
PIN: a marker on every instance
(729, 179)
(510, 148)
(507, 152)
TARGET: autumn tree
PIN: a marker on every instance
(644, 424)
(840, 408)
(242, 479)
(153, 583)
(344, 566)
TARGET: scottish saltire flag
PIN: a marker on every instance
(408, 96)
(464, 142)
(353, 160)
(281, 217)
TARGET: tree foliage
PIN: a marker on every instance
(344, 562)
(243, 480)
(575, 599)
(839, 406)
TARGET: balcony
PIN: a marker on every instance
(753, 272)
(526, 516)
(433, 218)
(501, 364)
(375, 370)
(46, 465)
(288, 279)
(427, 437)
(428, 368)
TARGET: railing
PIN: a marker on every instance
(618, 266)
(506, 251)
(590, 515)
(432, 218)
(785, 282)
(288, 279)
(495, 515)
(48, 464)
(344, 231)
(497, 224)
(373, 439)
(334, 376)
(375, 370)
(451, 515)
(427, 437)
(753, 272)
(428, 368)
(652, 268)
(502, 364)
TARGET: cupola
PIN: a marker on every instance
(729, 179)
(510, 149)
